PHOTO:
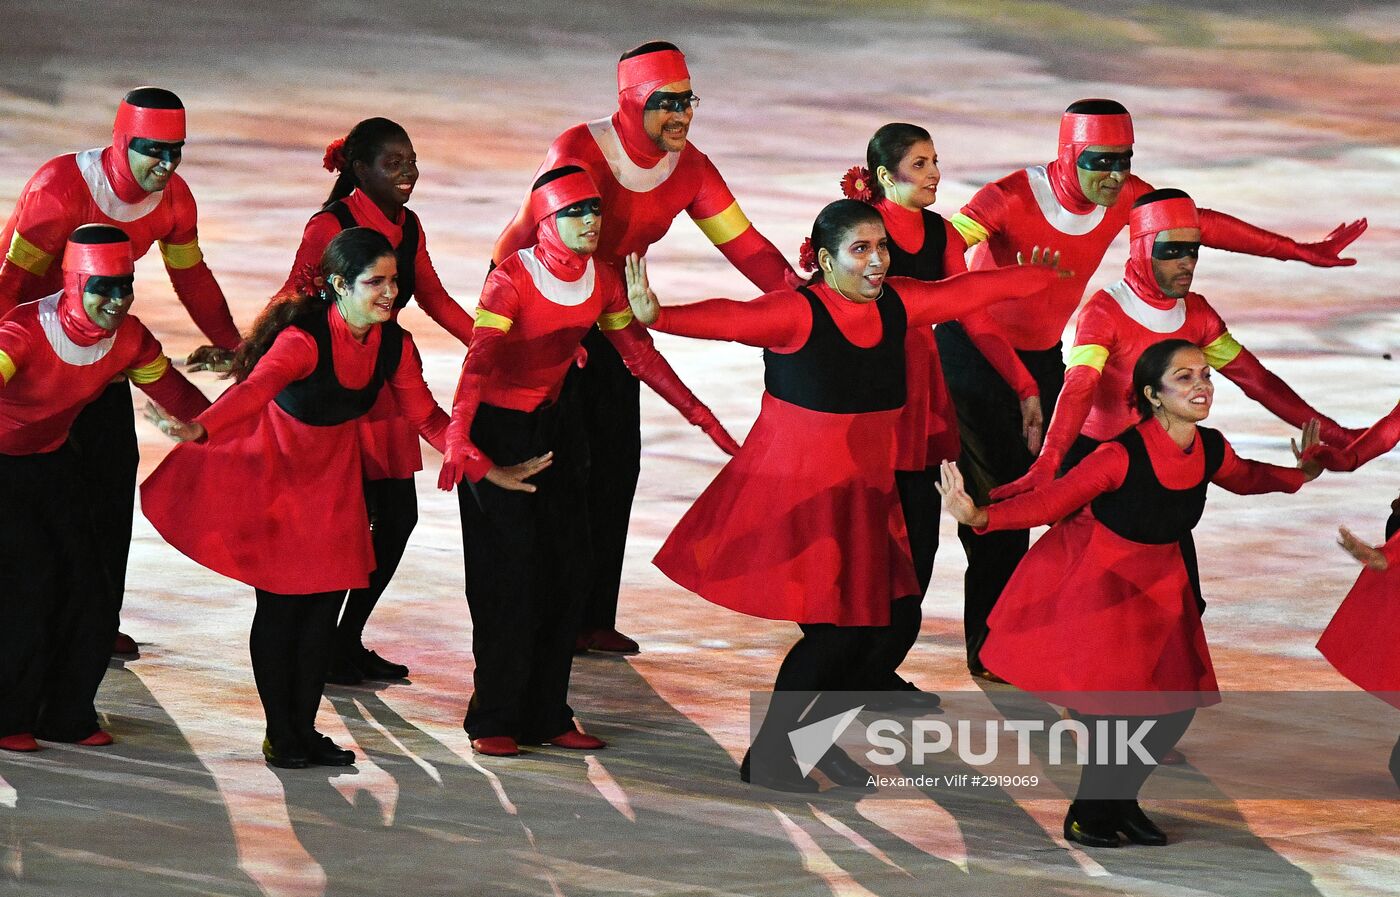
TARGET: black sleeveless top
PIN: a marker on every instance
(406, 253)
(831, 374)
(927, 263)
(319, 399)
(1142, 509)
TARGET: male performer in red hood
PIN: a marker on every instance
(647, 172)
(130, 184)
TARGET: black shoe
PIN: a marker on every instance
(787, 777)
(344, 669)
(843, 770)
(284, 756)
(372, 666)
(1090, 834)
(1395, 763)
(325, 752)
(1139, 829)
(904, 695)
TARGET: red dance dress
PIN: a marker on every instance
(1361, 640)
(391, 442)
(1102, 603)
(276, 502)
(85, 188)
(804, 523)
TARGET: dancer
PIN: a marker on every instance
(524, 516)
(376, 170)
(1080, 201)
(286, 440)
(1101, 610)
(130, 184)
(648, 172)
(57, 356)
(804, 523)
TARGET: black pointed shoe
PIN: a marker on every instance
(785, 777)
(1136, 825)
(344, 669)
(325, 752)
(1098, 834)
(843, 770)
(372, 666)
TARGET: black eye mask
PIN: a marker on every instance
(580, 209)
(155, 149)
(110, 287)
(672, 102)
(1176, 249)
(1095, 161)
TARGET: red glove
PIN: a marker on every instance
(1225, 232)
(1338, 460)
(709, 424)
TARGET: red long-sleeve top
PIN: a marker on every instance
(76, 189)
(641, 200)
(428, 290)
(48, 379)
(1107, 467)
(1383, 436)
(528, 327)
(293, 356)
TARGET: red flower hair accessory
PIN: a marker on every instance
(807, 256)
(334, 160)
(308, 282)
(856, 184)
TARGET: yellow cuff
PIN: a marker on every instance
(972, 232)
(7, 367)
(149, 373)
(486, 318)
(726, 225)
(28, 256)
(1090, 356)
(615, 321)
(181, 255)
(1222, 351)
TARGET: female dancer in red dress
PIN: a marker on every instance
(376, 172)
(1118, 617)
(58, 355)
(286, 440)
(804, 523)
(524, 542)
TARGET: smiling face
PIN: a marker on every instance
(914, 182)
(107, 300)
(1185, 392)
(579, 226)
(1174, 260)
(1101, 185)
(153, 162)
(667, 128)
(370, 299)
(857, 269)
(389, 179)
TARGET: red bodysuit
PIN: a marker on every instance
(76, 189)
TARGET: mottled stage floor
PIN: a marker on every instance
(1284, 114)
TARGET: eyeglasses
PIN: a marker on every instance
(675, 103)
(1095, 161)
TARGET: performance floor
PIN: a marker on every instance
(1283, 114)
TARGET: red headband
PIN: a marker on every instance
(1096, 130)
(659, 67)
(1165, 214)
(561, 193)
(165, 125)
(101, 259)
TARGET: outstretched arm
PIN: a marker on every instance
(1226, 232)
(716, 212)
(1383, 436)
(1266, 388)
(1103, 471)
(780, 318)
(932, 302)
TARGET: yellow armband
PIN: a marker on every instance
(1089, 356)
(615, 321)
(181, 255)
(7, 367)
(486, 318)
(726, 225)
(28, 256)
(972, 232)
(149, 373)
(1222, 351)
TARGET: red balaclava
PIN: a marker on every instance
(1077, 131)
(93, 250)
(638, 77)
(1173, 210)
(571, 185)
(141, 114)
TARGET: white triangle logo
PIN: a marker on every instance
(811, 742)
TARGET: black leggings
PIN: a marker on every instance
(291, 644)
(829, 659)
(393, 513)
(1103, 785)
(104, 440)
(921, 506)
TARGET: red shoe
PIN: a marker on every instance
(125, 644)
(100, 738)
(496, 746)
(575, 740)
(583, 642)
(613, 642)
(23, 742)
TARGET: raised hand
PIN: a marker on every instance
(210, 358)
(955, 497)
(645, 307)
(1327, 252)
(1044, 258)
(1367, 554)
(1305, 454)
(176, 429)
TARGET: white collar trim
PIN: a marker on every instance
(1060, 218)
(560, 292)
(1158, 320)
(90, 164)
(628, 173)
(68, 351)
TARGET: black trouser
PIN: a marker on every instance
(828, 658)
(523, 552)
(56, 623)
(993, 453)
(291, 643)
(393, 513)
(608, 401)
(1101, 785)
(104, 437)
(1392, 526)
(919, 500)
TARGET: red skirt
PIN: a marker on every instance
(1363, 640)
(389, 441)
(803, 524)
(927, 428)
(1102, 624)
(273, 503)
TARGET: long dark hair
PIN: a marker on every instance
(363, 144)
(837, 220)
(888, 148)
(1152, 365)
(349, 254)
